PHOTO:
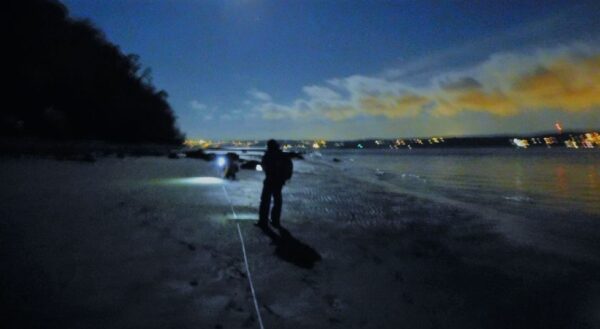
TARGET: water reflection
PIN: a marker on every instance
(593, 177)
(550, 179)
(560, 180)
(518, 177)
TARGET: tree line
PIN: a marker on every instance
(65, 80)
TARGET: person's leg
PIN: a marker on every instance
(265, 204)
(277, 202)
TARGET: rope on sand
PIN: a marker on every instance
(245, 260)
(230, 203)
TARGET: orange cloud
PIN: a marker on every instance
(567, 85)
(495, 102)
(339, 113)
(571, 86)
(394, 106)
(505, 85)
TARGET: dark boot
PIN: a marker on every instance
(262, 224)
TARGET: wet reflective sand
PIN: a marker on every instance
(104, 245)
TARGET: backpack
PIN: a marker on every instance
(285, 167)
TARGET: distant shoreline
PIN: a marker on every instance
(568, 139)
(37, 146)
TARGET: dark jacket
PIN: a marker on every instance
(270, 164)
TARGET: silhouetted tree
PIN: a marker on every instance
(65, 80)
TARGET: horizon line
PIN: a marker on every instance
(532, 134)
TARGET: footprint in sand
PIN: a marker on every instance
(219, 276)
(231, 305)
(334, 302)
(309, 282)
(234, 273)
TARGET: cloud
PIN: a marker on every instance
(408, 105)
(259, 95)
(207, 113)
(554, 29)
(197, 105)
(317, 92)
(566, 84)
(494, 102)
(274, 111)
(564, 78)
(461, 83)
(509, 84)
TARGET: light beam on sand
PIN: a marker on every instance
(244, 216)
(205, 180)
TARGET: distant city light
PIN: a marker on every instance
(558, 127)
(571, 144)
(550, 141)
(586, 140)
(522, 143)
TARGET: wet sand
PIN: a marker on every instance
(125, 243)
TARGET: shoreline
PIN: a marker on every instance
(98, 245)
(515, 226)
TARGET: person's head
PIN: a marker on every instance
(272, 145)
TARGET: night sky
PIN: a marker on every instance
(252, 69)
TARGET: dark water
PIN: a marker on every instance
(557, 180)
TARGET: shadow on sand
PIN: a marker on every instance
(291, 249)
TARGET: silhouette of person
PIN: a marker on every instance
(272, 185)
(231, 165)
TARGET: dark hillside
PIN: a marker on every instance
(66, 81)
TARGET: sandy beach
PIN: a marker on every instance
(151, 242)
